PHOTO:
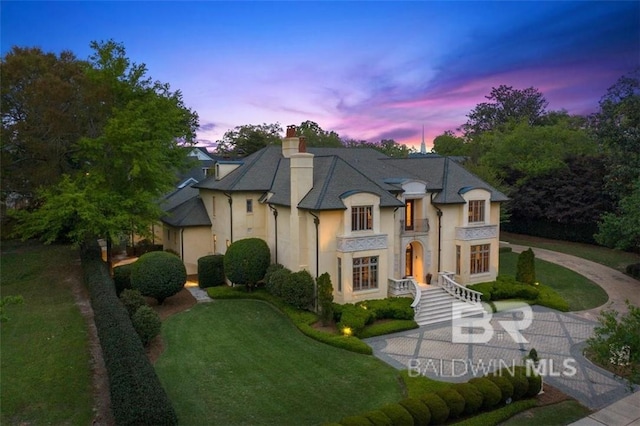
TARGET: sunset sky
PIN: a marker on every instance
(367, 70)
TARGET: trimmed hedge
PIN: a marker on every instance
(378, 418)
(505, 287)
(472, 396)
(355, 318)
(534, 380)
(518, 381)
(526, 267)
(437, 407)
(158, 274)
(122, 277)
(355, 421)
(454, 401)
(398, 414)
(211, 271)
(246, 261)
(137, 396)
(491, 394)
(132, 300)
(505, 386)
(418, 410)
(147, 324)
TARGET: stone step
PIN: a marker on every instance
(437, 306)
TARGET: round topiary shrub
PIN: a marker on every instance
(158, 274)
(491, 394)
(122, 277)
(277, 281)
(505, 386)
(418, 410)
(437, 407)
(534, 381)
(472, 397)
(270, 270)
(378, 418)
(297, 289)
(355, 421)
(519, 382)
(398, 414)
(246, 261)
(454, 401)
(147, 323)
(211, 271)
(132, 300)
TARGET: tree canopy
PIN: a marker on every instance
(249, 138)
(125, 159)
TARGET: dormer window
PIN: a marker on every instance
(361, 218)
(476, 211)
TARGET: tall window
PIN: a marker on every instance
(213, 206)
(365, 273)
(480, 258)
(408, 215)
(249, 205)
(476, 211)
(458, 254)
(361, 218)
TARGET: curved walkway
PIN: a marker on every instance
(618, 286)
(558, 338)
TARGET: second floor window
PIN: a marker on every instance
(476, 211)
(249, 205)
(361, 218)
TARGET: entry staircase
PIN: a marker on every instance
(439, 302)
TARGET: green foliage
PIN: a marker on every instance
(246, 261)
(505, 287)
(122, 277)
(621, 229)
(125, 160)
(147, 324)
(276, 280)
(505, 386)
(354, 318)
(437, 407)
(398, 414)
(454, 401)
(355, 421)
(132, 300)
(418, 410)
(318, 137)
(137, 396)
(325, 298)
(491, 394)
(633, 270)
(378, 418)
(211, 271)
(448, 144)
(6, 301)
(158, 274)
(387, 327)
(390, 308)
(616, 341)
(526, 268)
(298, 290)
(249, 138)
(472, 397)
(518, 381)
(270, 270)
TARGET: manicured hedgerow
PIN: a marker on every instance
(454, 401)
(211, 271)
(137, 396)
(472, 397)
(418, 410)
(398, 414)
(491, 394)
(437, 407)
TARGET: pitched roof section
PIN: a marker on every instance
(190, 213)
(341, 170)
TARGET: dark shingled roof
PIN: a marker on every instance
(342, 171)
(190, 213)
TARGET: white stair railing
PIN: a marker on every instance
(445, 280)
(404, 286)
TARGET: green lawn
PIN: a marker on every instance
(580, 292)
(243, 362)
(45, 371)
(562, 413)
(615, 259)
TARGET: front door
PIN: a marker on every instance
(408, 261)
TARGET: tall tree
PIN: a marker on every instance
(388, 147)
(506, 105)
(450, 144)
(318, 137)
(123, 170)
(249, 138)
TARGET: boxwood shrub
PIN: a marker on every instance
(122, 277)
(398, 414)
(534, 381)
(454, 401)
(158, 274)
(355, 318)
(437, 407)
(137, 396)
(211, 271)
(355, 421)
(378, 418)
(297, 289)
(147, 324)
(518, 381)
(132, 300)
(491, 394)
(472, 397)
(390, 308)
(418, 410)
(505, 386)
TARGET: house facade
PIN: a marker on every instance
(368, 220)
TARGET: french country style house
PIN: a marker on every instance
(379, 226)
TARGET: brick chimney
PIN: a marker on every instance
(291, 142)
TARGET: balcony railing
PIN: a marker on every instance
(415, 226)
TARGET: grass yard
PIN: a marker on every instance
(45, 371)
(579, 292)
(243, 362)
(559, 414)
(615, 259)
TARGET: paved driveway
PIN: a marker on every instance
(557, 337)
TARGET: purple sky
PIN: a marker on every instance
(367, 70)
